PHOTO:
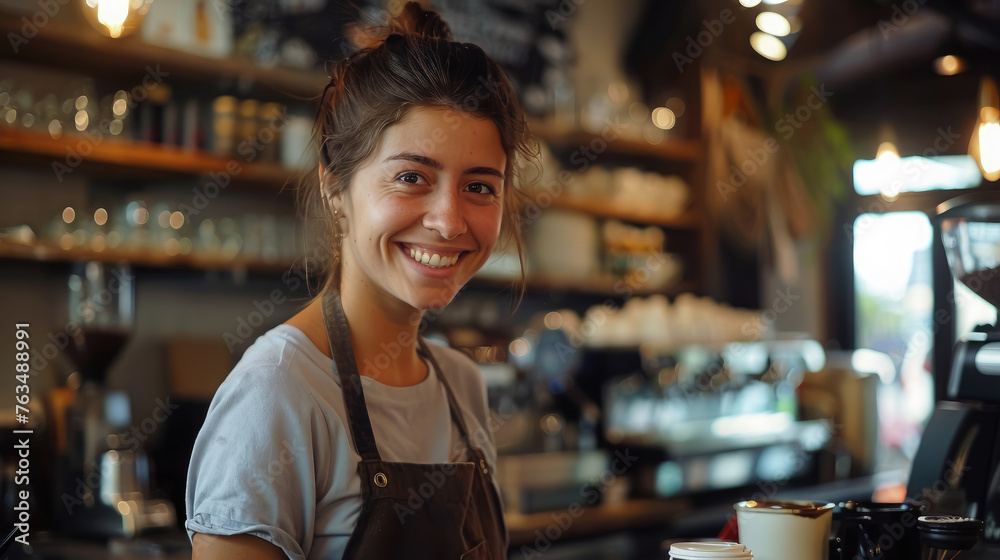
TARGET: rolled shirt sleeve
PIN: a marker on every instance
(253, 469)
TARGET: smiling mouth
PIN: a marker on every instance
(432, 259)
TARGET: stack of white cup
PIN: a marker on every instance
(709, 550)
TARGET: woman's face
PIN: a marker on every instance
(423, 212)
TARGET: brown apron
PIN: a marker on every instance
(414, 510)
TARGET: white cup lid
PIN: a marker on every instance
(709, 550)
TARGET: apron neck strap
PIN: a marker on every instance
(346, 368)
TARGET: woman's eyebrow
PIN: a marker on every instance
(431, 162)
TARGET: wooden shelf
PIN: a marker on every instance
(674, 150)
(602, 286)
(77, 47)
(689, 219)
(49, 252)
(136, 159)
(601, 519)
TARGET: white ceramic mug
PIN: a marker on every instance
(780, 530)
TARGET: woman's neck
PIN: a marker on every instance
(383, 337)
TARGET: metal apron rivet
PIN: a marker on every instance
(482, 463)
(381, 480)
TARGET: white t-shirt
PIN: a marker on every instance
(275, 459)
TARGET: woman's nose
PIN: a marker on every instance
(444, 214)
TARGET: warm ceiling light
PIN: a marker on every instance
(115, 18)
(989, 144)
(773, 2)
(985, 144)
(773, 23)
(948, 65)
(887, 150)
(889, 164)
(112, 14)
(749, 3)
(768, 46)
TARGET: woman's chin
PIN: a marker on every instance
(433, 300)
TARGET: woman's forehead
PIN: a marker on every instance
(445, 135)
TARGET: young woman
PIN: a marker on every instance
(341, 433)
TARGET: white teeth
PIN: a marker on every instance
(432, 260)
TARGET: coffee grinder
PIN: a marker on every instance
(956, 470)
(106, 477)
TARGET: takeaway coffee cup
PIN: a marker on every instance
(780, 530)
(709, 550)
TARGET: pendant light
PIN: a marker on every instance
(115, 18)
(985, 144)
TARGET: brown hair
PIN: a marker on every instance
(412, 62)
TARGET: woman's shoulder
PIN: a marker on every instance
(280, 362)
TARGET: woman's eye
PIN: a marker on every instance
(481, 188)
(410, 177)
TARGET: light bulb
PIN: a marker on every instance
(985, 144)
(989, 149)
(115, 18)
(773, 23)
(887, 150)
(768, 46)
(112, 14)
(888, 164)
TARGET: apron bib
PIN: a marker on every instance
(414, 510)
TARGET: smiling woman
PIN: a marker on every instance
(350, 411)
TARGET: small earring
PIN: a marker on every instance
(335, 212)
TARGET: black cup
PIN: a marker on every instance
(945, 536)
(877, 531)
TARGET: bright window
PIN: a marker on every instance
(894, 302)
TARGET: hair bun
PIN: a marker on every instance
(416, 20)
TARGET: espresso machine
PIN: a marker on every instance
(956, 470)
